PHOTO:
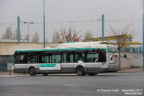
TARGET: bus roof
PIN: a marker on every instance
(85, 45)
(72, 47)
(56, 49)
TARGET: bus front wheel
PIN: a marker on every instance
(32, 71)
(80, 71)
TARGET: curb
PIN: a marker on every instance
(12, 75)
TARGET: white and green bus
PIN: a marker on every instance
(80, 58)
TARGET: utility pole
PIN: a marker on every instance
(103, 27)
(28, 29)
(43, 23)
(143, 29)
(18, 29)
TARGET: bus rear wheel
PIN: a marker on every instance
(80, 71)
(45, 74)
(92, 74)
(32, 71)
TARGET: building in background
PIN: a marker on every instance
(7, 48)
(127, 44)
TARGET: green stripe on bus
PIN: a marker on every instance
(47, 65)
(66, 49)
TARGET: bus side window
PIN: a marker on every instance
(102, 55)
(96, 58)
(33, 58)
(44, 59)
(21, 58)
(25, 58)
(92, 56)
(81, 56)
(65, 57)
(55, 58)
(75, 56)
(68, 57)
(71, 57)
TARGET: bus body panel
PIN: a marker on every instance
(113, 62)
(20, 68)
(68, 67)
(93, 57)
(23, 68)
(65, 68)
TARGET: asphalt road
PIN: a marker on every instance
(104, 84)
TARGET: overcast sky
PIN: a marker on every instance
(81, 15)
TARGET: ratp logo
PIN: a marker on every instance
(111, 58)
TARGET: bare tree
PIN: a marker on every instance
(35, 37)
(122, 36)
(27, 37)
(88, 35)
(46, 41)
(15, 35)
(56, 37)
(69, 35)
(7, 34)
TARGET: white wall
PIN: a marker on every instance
(132, 60)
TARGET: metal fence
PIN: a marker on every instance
(132, 50)
(5, 62)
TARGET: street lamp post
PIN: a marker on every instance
(18, 29)
(103, 27)
(28, 28)
(43, 23)
(143, 30)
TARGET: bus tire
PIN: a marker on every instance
(92, 74)
(45, 74)
(32, 71)
(80, 71)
